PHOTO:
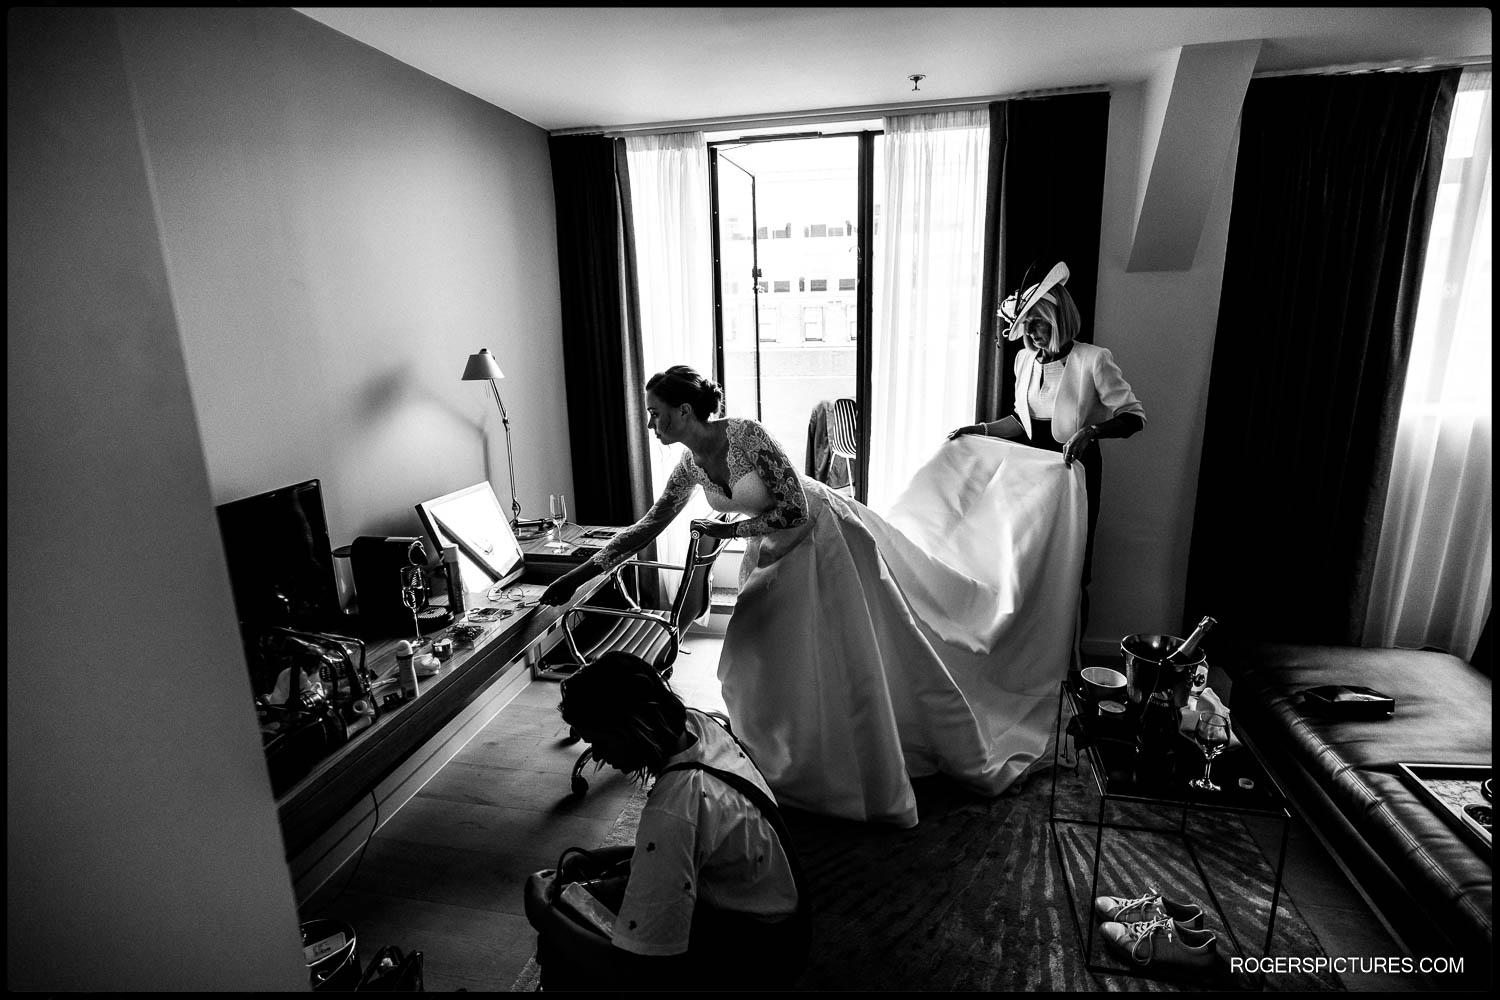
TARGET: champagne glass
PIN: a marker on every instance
(1212, 734)
(559, 505)
(413, 589)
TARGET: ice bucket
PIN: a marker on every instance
(1146, 673)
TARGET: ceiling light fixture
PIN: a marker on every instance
(915, 77)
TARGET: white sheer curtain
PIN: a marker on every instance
(670, 213)
(926, 354)
(1433, 568)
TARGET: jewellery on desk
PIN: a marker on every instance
(466, 633)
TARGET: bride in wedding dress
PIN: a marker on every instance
(865, 650)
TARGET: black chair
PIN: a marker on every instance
(655, 636)
(843, 435)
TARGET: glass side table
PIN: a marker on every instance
(1155, 773)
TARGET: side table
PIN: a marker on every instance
(1123, 774)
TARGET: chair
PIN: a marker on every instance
(655, 636)
(843, 434)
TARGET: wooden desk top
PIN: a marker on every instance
(340, 780)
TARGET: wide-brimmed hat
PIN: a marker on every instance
(1018, 303)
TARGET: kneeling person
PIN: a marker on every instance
(713, 894)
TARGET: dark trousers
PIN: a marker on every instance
(1093, 475)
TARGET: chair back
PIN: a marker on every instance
(695, 592)
(843, 429)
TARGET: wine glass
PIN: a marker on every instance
(1212, 734)
(413, 590)
(559, 508)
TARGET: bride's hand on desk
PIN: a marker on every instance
(561, 590)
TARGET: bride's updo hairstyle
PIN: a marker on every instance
(681, 384)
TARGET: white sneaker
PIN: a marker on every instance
(1162, 943)
(1153, 904)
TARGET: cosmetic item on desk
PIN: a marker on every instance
(442, 648)
(427, 665)
(406, 669)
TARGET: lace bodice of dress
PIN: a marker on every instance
(763, 485)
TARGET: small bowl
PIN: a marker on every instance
(1103, 683)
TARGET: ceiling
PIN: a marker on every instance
(605, 67)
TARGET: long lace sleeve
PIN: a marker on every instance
(674, 497)
(781, 479)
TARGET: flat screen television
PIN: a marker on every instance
(471, 520)
(280, 561)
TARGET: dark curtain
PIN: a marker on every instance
(597, 355)
(638, 452)
(987, 404)
(1050, 203)
(1333, 196)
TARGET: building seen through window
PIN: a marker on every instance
(800, 348)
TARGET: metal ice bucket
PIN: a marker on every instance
(1146, 674)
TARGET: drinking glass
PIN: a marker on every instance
(413, 590)
(559, 506)
(1212, 734)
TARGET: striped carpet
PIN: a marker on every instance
(972, 897)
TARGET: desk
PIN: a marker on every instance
(582, 541)
(339, 781)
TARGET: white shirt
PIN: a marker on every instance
(701, 839)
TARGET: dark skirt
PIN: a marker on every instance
(1093, 473)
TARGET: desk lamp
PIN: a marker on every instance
(483, 366)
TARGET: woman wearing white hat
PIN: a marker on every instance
(1068, 394)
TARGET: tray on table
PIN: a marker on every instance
(1457, 791)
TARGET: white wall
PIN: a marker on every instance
(342, 231)
(244, 250)
(143, 849)
(1160, 326)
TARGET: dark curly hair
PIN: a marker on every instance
(621, 694)
(682, 384)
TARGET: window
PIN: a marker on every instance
(848, 284)
(818, 230)
(812, 323)
(1431, 584)
(766, 330)
(819, 285)
(784, 233)
(781, 286)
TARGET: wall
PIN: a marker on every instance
(1160, 326)
(341, 232)
(143, 850)
(244, 250)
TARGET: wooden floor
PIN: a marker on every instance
(444, 875)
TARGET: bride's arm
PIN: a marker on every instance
(674, 497)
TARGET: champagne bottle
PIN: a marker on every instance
(1185, 652)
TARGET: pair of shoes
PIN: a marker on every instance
(1162, 943)
(1150, 906)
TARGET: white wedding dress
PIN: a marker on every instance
(866, 650)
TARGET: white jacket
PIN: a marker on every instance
(1092, 391)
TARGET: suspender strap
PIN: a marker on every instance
(751, 791)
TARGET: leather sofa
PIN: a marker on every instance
(1432, 885)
